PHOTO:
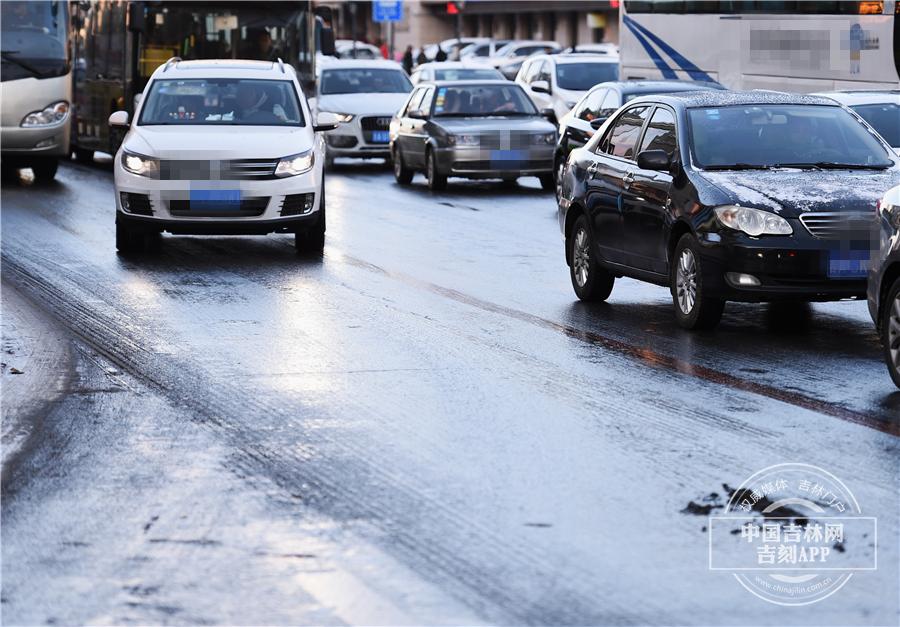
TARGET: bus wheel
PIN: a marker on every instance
(44, 170)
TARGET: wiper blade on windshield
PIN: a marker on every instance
(833, 165)
(738, 166)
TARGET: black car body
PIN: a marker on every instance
(450, 129)
(637, 204)
(884, 279)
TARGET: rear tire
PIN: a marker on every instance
(590, 280)
(436, 181)
(45, 170)
(402, 174)
(890, 331)
(694, 310)
(548, 183)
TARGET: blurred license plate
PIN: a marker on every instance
(508, 155)
(381, 137)
(221, 199)
(848, 264)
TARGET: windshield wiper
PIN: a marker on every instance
(9, 55)
(738, 166)
(832, 165)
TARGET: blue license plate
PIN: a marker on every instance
(381, 137)
(848, 264)
(508, 155)
(218, 199)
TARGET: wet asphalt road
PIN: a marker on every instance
(422, 427)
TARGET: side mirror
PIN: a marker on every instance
(326, 121)
(596, 123)
(416, 114)
(119, 118)
(653, 160)
(540, 87)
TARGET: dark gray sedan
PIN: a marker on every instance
(475, 129)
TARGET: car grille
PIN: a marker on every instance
(195, 170)
(381, 123)
(297, 204)
(136, 203)
(838, 225)
(249, 207)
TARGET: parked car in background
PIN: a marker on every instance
(365, 95)
(558, 81)
(606, 48)
(349, 49)
(510, 57)
(578, 125)
(472, 129)
(482, 50)
(742, 196)
(453, 71)
(881, 109)
(884, 279)
(451, 47)
(264, 175)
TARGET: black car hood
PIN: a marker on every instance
(792, 192)
(493, 124)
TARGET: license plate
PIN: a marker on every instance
(848, 264)
(381, 137)
(219, 199)
(508, 155)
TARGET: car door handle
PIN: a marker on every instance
(627, 180)
(593, 168)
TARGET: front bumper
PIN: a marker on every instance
(478, 162)
(351, 140)
(46, 141)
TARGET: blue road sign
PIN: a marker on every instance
(387, 10)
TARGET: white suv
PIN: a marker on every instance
(221, 147)
(558, 81)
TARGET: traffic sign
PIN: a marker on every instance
(387, 11)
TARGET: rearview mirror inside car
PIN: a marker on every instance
(541, 87)
(653, 160)
(326, 121)
(118, 118)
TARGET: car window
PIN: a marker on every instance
(364, 81)
(589, 108)
(531, 71)
(482, 101)
(544, 72)
(426, 101)
(660, 133)
(610, 104)
(467, 74)
(884, 118)
(583, 76)
(621, 139)
(414, 100)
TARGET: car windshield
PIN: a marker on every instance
(34, 39)
(364, 81)
(815, 136)
(884, 118)
(466, 74)
(482, 100)
(583, 76)
(245, 102)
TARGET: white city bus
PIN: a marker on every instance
(35, 85)
(797, 46)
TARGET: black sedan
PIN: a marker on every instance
(743, 196)
(884, 280)
(476, 129)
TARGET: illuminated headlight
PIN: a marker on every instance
(343, 117)
(140, 165)
(544, 139)
(295, 164)
(752, 221)
(463, 140)
(52, 114)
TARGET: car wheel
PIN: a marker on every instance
(83, 155)
(128, 239)
(547, 182)
(311, 240)
(890, 330)
(45, 170)
(590, 281)
(436, 181)
(403, 174)
(693, 309)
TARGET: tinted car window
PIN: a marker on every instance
(660, 133)
(426, 100)
(782, 134)
(589, 109)
(583, 76)
(482, 100)
(884, 118)
(364, 81)
(623, 136)
(467, 74)
(610, 103)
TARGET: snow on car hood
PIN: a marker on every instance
(362, 104)
(791, 192)
(218, 141)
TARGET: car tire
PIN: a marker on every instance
(83, 155)
(45, 170)
(890, 331)
(694, 310)
(403, 174)
(548, 183)
(128, 239)
(436, 181)
(590, 280)
(311, 240)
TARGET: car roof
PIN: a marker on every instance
(455, 65)
(583, 57)
(471, 83)
(224, 68)
(637, 87)
(384, 64)
(862, 96)
(725, 98)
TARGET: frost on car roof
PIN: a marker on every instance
(727, 98)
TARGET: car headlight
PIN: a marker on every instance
(544, 139)
(140, 165)
(890, 211)
(343, 117)
(51, 114)
(463, 140)
(753, 221)
(295, 164)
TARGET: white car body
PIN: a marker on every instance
(522, 48)
(855, 99)
(221, 158)
(543, 69)
(347, 48)
(358, 110)
(433, 71)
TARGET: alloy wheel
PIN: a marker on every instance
(686, 281)
(581, 257)
(893, 334)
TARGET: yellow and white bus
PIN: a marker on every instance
(797, 46)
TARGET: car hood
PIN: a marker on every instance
(494, 124)
(792, 192)
(362, 104)
(218, 141)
